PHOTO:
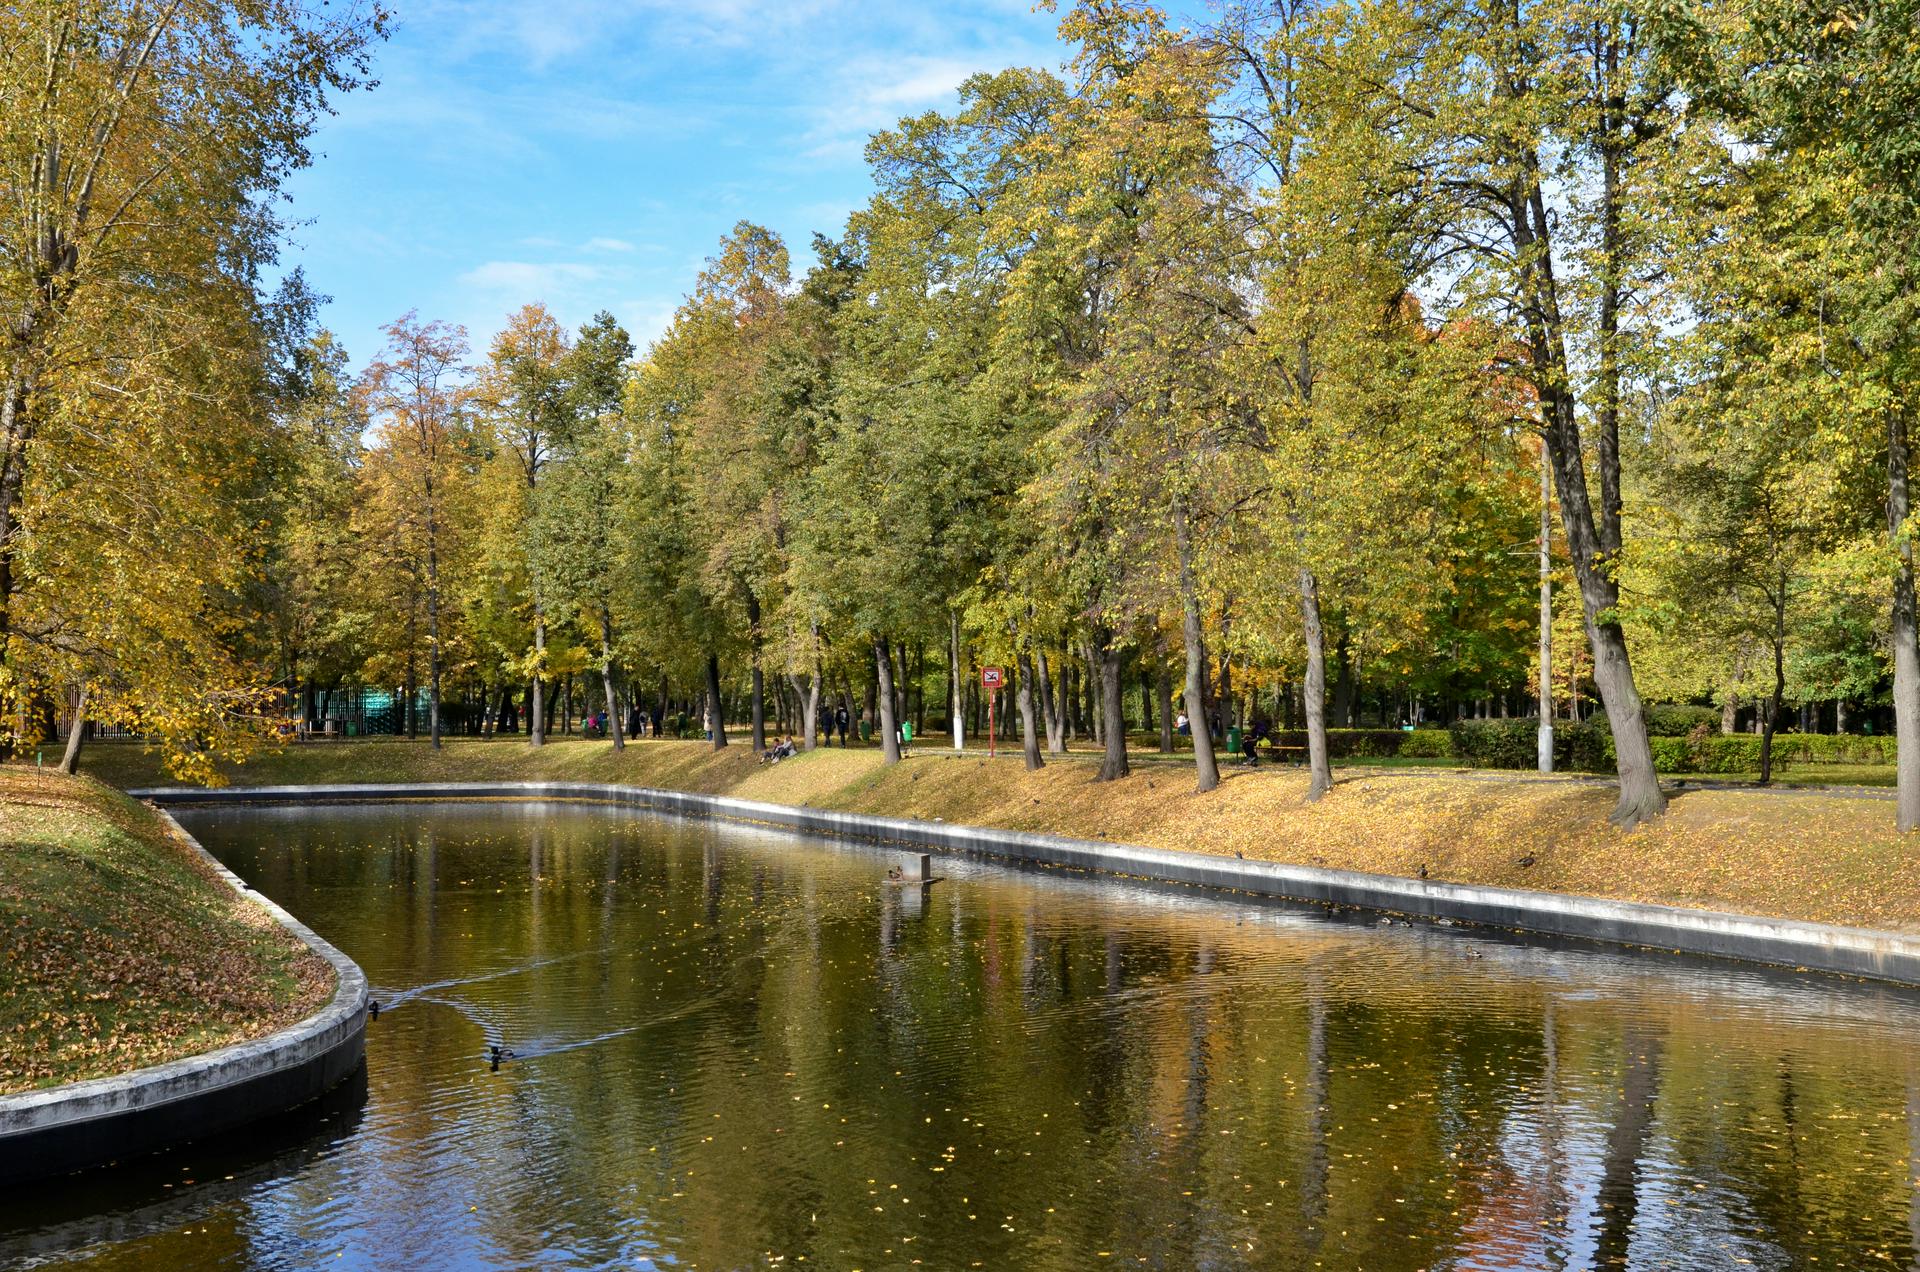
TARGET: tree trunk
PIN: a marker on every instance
(1906, 653)
(759, 708)
(809, 697)
(15, 433)
(1063, 696)
(869, 710)
(716, 720)
(1314, 698)
(1049, 713)
(1343, 680)
(1029, 733)
(759, 675)
(898, 657)
(883, 675)
(537, 691)
(1592, 545)
(1223, 705)
(433, 616)
(1096, 722)
(1777, 703)
(617, 729)
(76, 732)
(1111, 661)
(1163, 686)
(1192, 636)
(410, 710)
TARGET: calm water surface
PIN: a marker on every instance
(739, 1049)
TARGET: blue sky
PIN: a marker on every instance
(590, 153)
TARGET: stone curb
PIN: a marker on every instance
(1818, 947)
(66, 1128)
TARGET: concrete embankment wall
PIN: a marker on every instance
(1817, 947)
(65, 1128)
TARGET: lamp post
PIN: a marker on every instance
(1545, 733)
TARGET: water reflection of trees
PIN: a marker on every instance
(1082, 1067)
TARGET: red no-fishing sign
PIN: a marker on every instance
(991, 678)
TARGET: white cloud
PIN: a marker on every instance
(529, 279)
(554, 30)
(608, 245)
(871, 93)
(646, 319)
(921, 85)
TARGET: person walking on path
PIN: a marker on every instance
(840, 722)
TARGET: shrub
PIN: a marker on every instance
(1347, 743)
(1426, 744)
(1585, 748)
(1821, 748)
(1511, 744)
(1672, 755)
(1505, 744)
(1729, 753)
(1702, 751)
(1668, 720)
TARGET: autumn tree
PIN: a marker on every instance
(573, 531)
(417, 399)
(1835, 89)
(140, 150)
(1501, 113)
(522, 395)
(310, 566)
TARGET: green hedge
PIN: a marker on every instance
(1373, 744)
(1823, 748)
(1587, 746)
(1426, 744)
(1712, 753)
(1667, 720)
(1511, 744)
(1581, 747)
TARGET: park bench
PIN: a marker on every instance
(1275, 753)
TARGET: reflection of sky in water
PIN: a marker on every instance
(735, 1048)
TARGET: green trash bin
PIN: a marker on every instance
(1233, 741)
(906, 730)
(866, 731)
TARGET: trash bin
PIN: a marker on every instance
(906, 730)
(1233, 740)
(866, 730)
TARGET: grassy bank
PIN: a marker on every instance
(121, 949)
(1806, 855)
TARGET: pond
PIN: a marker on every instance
(735, 1048)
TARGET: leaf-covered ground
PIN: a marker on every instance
(1800, 854)
(119, 948)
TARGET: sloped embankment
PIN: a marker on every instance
(119, 948)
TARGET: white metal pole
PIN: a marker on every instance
(1545, 733)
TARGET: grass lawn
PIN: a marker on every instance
(1797, 854)
(121, 948)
